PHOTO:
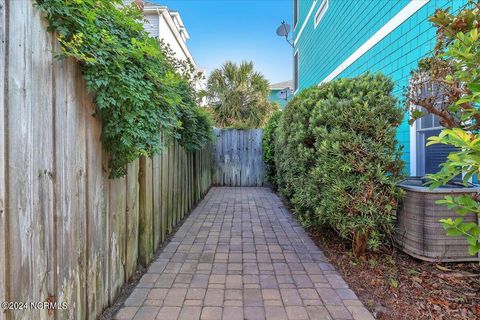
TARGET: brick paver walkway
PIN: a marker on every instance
(241, 255)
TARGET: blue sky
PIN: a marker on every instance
(237, 30)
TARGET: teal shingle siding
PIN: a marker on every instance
(347, 25)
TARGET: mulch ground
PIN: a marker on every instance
(393, 285)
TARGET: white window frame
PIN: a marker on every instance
(413, 149)
(421, 143)
(322, 9)
(296, 71)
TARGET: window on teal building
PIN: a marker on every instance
(320, 12)
(428, 159)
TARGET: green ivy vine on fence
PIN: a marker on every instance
(137, 90)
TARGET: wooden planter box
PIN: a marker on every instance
(419, 232)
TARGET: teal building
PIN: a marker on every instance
(339, 38)
(281, 93)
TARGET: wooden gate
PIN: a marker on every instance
(238, 157)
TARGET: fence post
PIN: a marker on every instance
(165, 189)
(145, 226)
(3, 199)
(132, 218)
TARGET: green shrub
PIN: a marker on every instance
(268, 146)
(338, 159)
(295, 154)
(137, 90)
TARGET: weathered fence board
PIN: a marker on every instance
(164, 193)
(97, 215)
(20, 193)
(42, 157)
(71, 190)
(116, 234)
(238, 157)
(146, 246)
(68, 233)
(156, 194)
(133, 191)
(3, 222)
(177, 174)
(171, 183)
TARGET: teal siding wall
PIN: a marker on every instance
(274, 98)
(347, 25)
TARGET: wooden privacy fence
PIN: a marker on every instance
(238, 157)
(67, 232)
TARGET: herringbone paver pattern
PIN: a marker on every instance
(241, 255)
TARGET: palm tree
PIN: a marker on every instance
(238, 96)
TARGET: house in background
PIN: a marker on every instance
(342, 39)
(281, 92)
(166, 24)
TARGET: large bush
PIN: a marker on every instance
(338, 160)
(295, 153)
(268, 146)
